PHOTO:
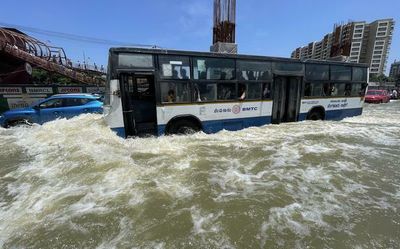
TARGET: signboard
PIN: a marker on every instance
(95, 89)
(70, 89)
(10, 90)
(14, 103)
(21, 96)
(39, 90)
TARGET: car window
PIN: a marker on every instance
(85, 101)
(52, 103)
(75, 101)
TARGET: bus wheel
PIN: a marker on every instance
(183, 126)
(315, 115)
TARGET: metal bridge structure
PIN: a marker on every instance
(20, 52)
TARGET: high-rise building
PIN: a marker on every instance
(395, 71)
(360, 42)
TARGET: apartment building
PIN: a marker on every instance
(395, 70)
(359, 42)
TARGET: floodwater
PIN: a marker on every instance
(322, 184)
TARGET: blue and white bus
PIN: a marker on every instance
(157, 91)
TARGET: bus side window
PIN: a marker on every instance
(328, 89)
(253, 90)
(174, 92)
(266, 91)
(363, 89)
(307, 89)
(356, 90)
(242, 91)
(226, 91)
(347, 89)
(205, 92)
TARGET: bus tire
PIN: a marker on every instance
(316, 114)
(183, 127)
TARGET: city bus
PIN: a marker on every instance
(154, 92)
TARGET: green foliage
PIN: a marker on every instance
(380, 78)
(40, 76)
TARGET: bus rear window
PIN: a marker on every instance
(135, 60)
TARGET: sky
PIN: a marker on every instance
(264, 27)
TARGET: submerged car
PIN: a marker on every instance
(377, 96)
(56, 106)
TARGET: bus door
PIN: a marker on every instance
(286, 99)
(139, 104)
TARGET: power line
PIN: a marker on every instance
(74, 37)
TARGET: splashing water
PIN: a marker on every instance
(74, 184)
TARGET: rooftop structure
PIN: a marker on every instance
(224, 26)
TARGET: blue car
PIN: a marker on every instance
(56, 106)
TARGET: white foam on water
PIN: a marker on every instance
(205, 222)
(301, 176)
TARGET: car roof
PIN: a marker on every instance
(74, 95)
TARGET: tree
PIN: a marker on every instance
(380, 78)
(41, 76)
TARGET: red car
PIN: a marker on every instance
(377, 96)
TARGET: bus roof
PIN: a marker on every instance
(226, 55)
